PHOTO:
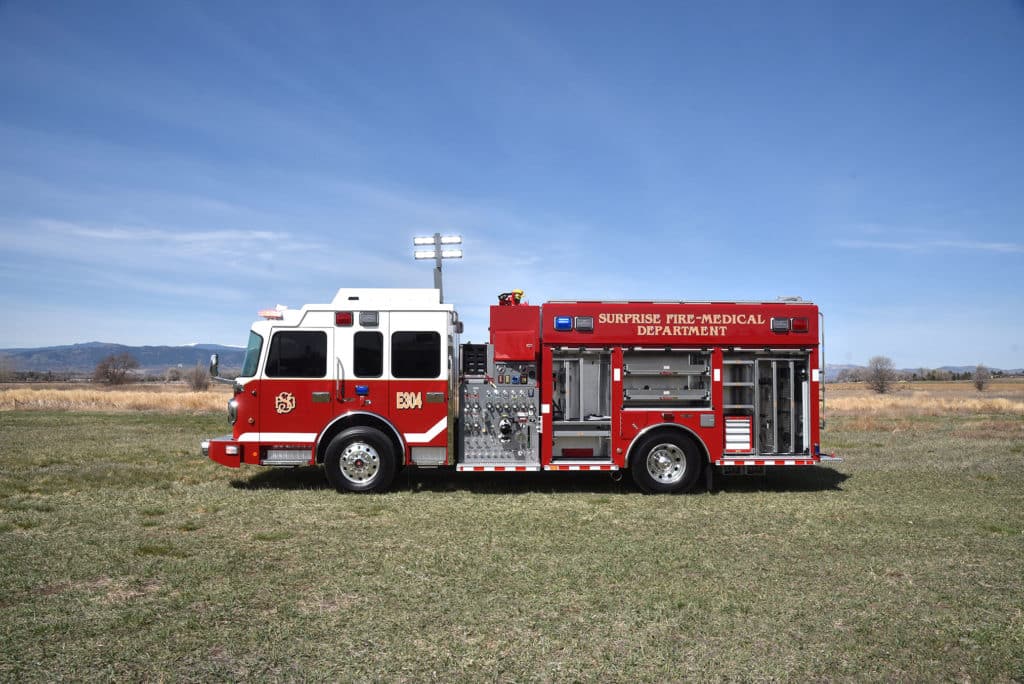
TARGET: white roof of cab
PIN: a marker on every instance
(389, 298)
(363, 299)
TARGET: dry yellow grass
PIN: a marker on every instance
(927, 398)
(77, 399)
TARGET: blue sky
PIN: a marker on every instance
(167, 169)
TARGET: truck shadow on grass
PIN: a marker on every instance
(284, 478)
(811, 479)
(795, 479)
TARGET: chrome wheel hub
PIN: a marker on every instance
(359, 462)
(666, 463)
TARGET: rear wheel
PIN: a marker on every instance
(360, 459)
(664, 463)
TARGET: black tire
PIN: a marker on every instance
(665, 462)
(360, 459)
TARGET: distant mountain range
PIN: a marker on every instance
(82, 358)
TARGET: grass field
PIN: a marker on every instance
(123, 554)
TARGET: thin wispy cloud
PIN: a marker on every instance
(150, 234)
(983, 246)
(928, 245)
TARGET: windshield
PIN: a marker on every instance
(252, 355)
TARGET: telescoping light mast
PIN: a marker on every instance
(440, 248)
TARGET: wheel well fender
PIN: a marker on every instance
(668, 429)
(361, 419)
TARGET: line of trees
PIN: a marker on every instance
(881, 374)
(118, 369)
(6, 369)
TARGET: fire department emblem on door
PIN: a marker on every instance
(284, 402)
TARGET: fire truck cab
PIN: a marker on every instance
(376, 380)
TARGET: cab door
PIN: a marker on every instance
(418, 390)
(361, 364)
(295, 392)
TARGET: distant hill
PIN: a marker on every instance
(832, 370)
(82, 358)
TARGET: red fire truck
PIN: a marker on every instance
(376, 381)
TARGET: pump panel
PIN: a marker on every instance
(499, 414)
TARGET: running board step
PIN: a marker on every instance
(497, 468)
(562, 464)
(765, 462)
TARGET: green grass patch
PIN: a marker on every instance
(125, 555)
(26, 524)
(160, 550)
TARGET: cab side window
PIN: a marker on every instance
(368, 354)
(415, 355)
(297, 354)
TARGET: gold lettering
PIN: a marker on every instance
(409, 400)
(651, 324)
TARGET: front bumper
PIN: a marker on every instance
(224, 450)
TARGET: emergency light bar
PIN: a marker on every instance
(785, 325)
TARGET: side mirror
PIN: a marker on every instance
(215, 369)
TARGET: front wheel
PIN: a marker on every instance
(360, 459)
(665, 463)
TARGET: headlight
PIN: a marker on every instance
(232, 411)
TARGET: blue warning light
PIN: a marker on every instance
(563, 323)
